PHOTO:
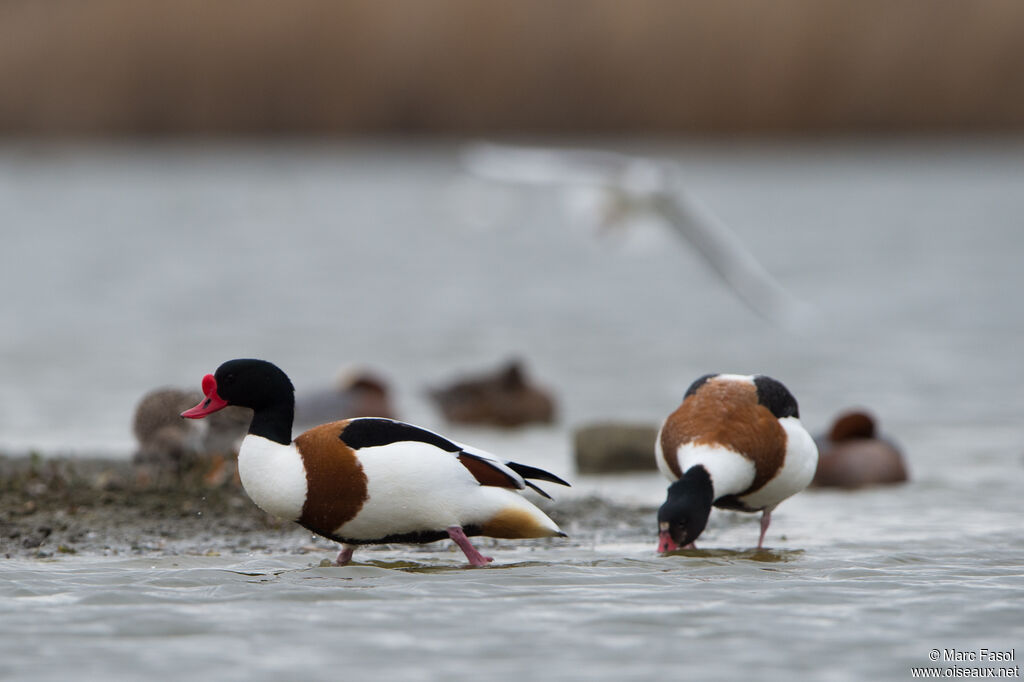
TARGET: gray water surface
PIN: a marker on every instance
(852, 585)
(127, 267)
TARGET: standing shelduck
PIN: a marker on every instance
(737, 443)
(370, 480)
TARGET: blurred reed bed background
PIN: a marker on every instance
(459, 66)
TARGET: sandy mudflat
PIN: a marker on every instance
(53, 506)
(65, 506)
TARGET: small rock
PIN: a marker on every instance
(611, 447)
(37, 538)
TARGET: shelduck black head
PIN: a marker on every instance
(683, 516)
(246, 383)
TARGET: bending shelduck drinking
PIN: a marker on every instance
(736, 442)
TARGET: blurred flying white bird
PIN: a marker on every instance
(634, 186)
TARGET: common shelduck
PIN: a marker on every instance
(370, 480)
(852, 454)
(736, 442)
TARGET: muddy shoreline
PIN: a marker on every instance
(60, 506)
(53, 507)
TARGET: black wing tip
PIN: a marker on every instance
(537, 489)
(527, 471)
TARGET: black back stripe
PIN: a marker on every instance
(697, 384)
(371, 432)
(368, 432)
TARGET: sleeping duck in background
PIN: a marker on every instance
(370, 480)
(853, 454)
(505, 398)
(736, 442)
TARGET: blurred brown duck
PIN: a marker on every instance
(162, 437)
(503, 398)
(166, 441)
(853, 455)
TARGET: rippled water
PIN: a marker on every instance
(128, 267)
(854, 585)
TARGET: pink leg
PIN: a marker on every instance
(345, 555)
(458, 536)
(689, 546)
(766, 518)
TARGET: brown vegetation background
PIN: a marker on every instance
(544, 66)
